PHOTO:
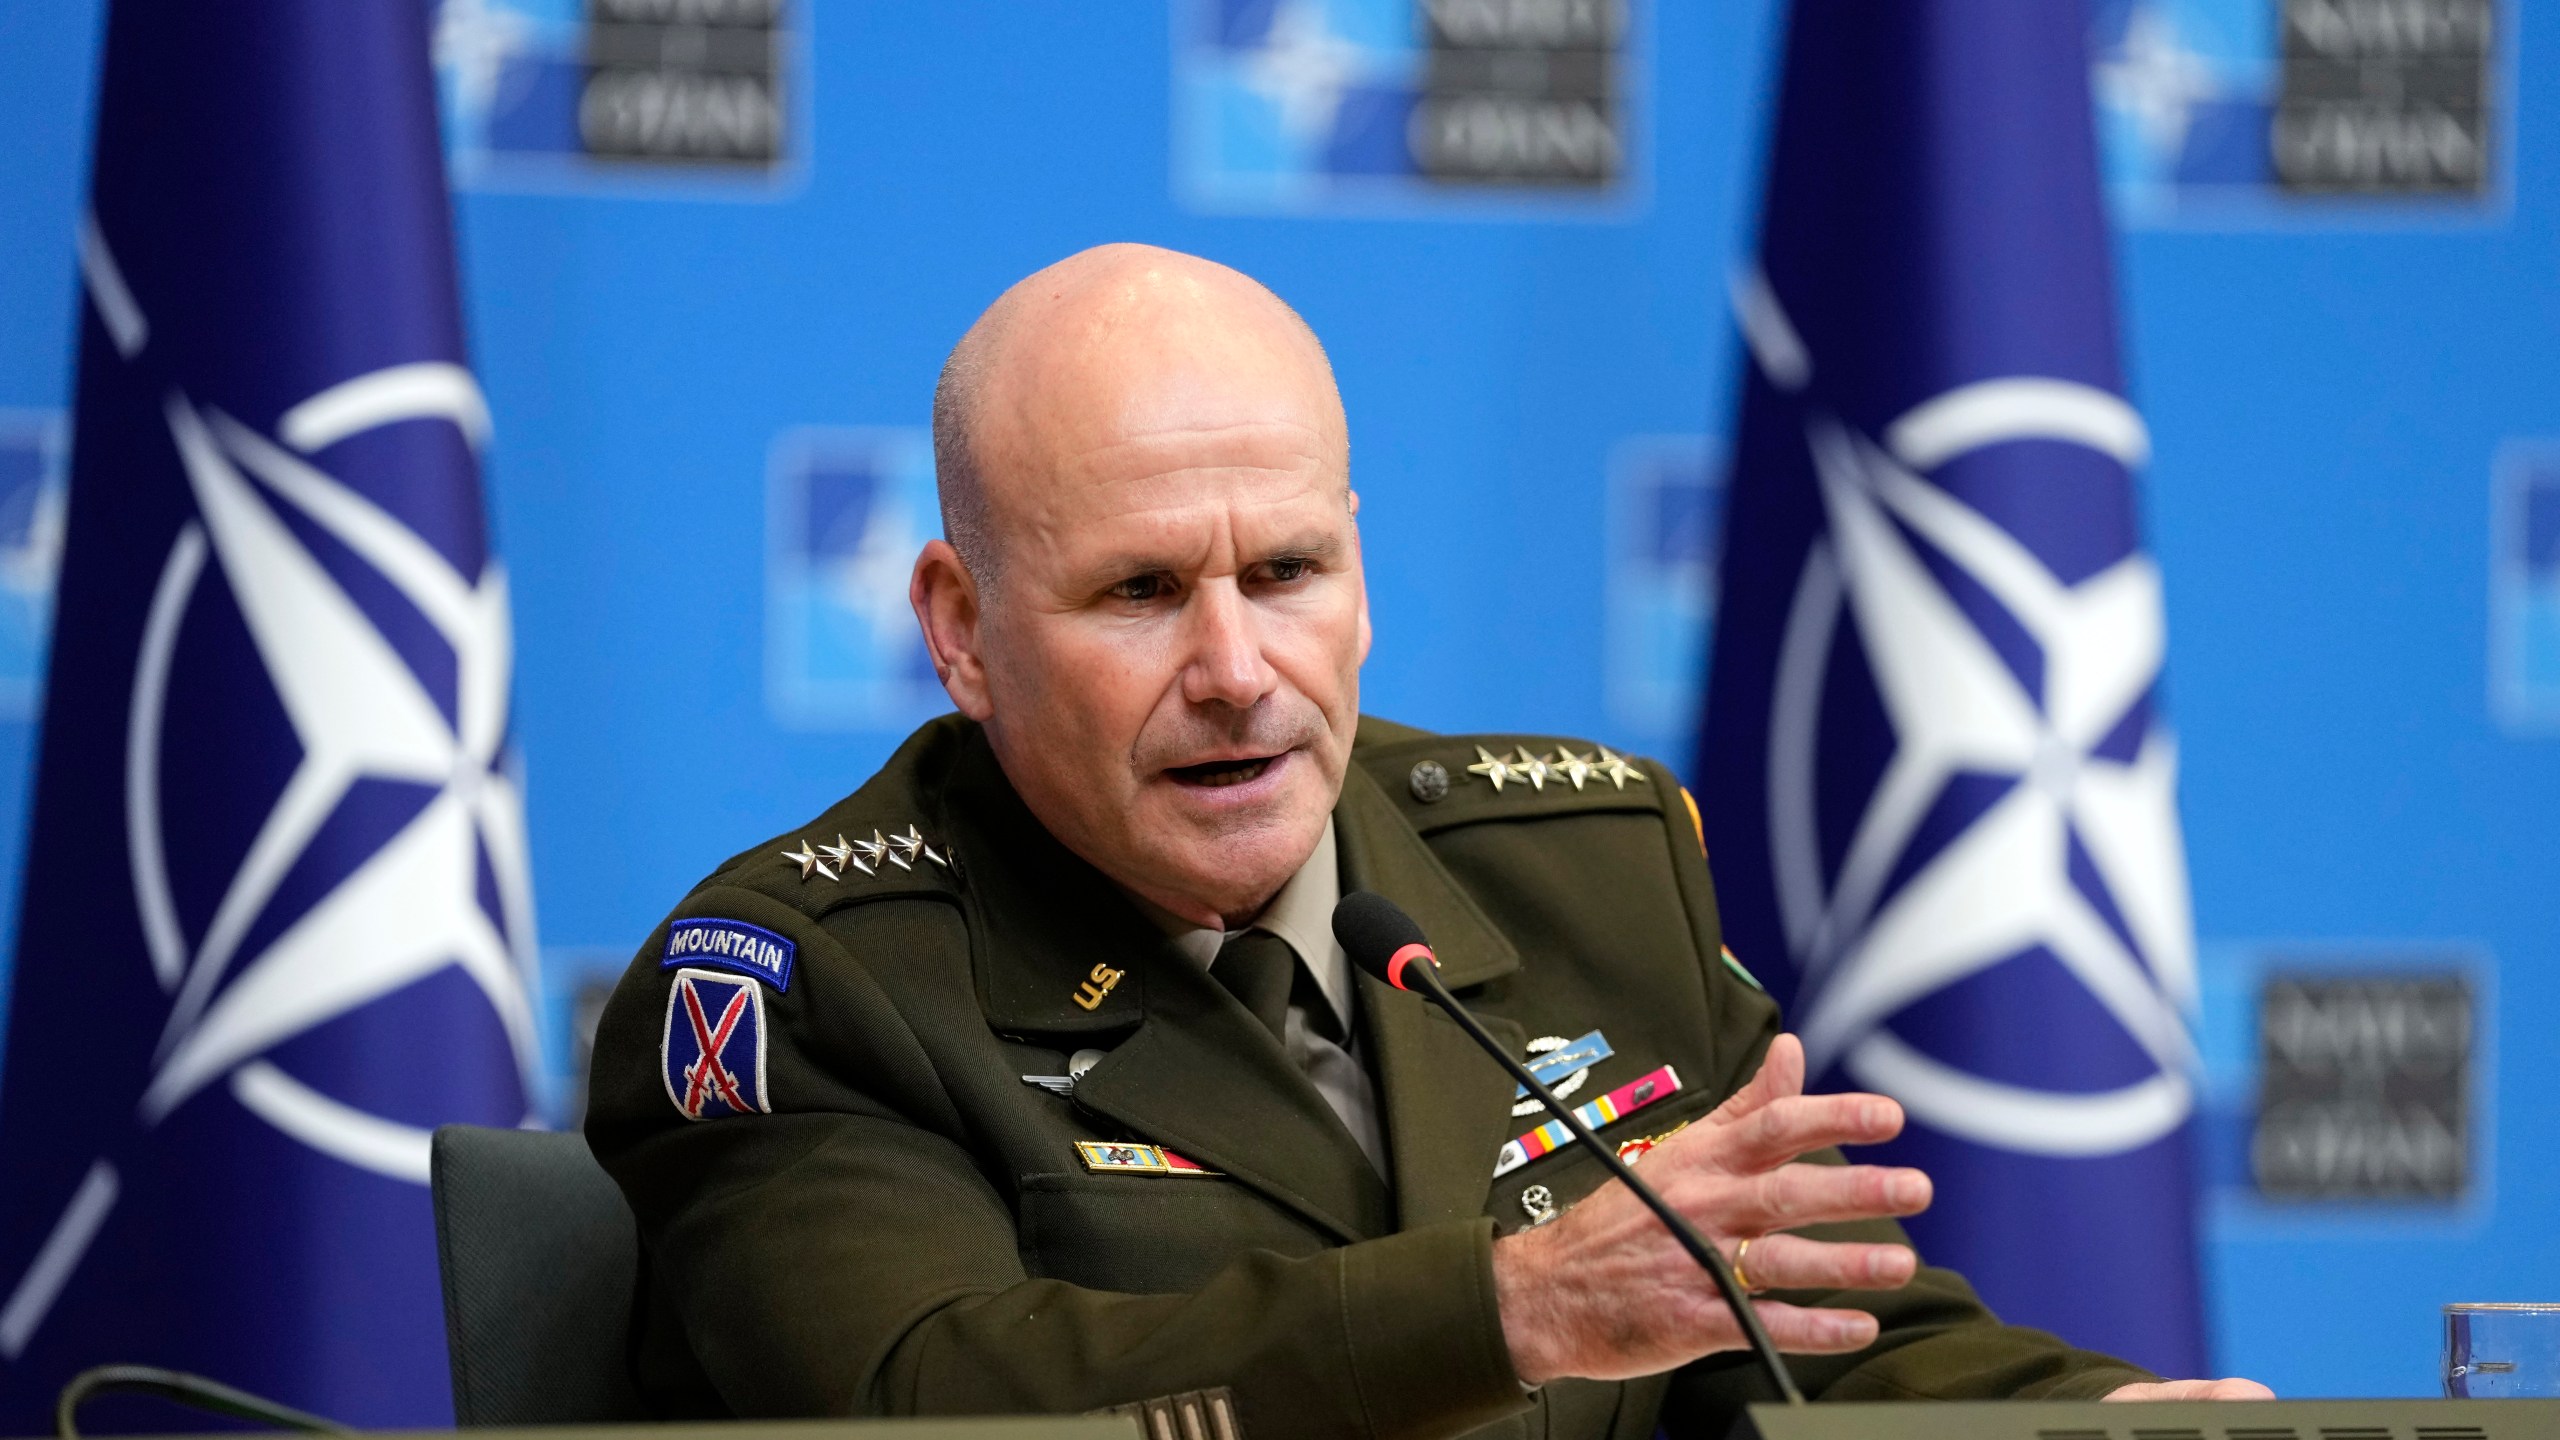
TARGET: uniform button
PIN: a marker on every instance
(1429, 782)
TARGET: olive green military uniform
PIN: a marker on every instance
(912, 1228)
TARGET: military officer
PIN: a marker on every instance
(1028, 1077)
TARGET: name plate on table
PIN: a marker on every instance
(2166, 1420)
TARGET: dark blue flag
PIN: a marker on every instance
(276, 914)
(1937, 788)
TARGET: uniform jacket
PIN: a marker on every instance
(897, 1223)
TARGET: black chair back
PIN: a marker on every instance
(539, 1259)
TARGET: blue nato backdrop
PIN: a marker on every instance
(2073, 489)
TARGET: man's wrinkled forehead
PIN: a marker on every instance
(1189, 522)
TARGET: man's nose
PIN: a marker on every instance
(1226, 664)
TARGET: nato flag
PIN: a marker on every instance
(1937, 787)
(276, 911)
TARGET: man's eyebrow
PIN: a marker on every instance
(1312, 545)
(1104, 573)
(1315, 545)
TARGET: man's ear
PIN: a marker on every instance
(1352, 502)
(946, 601)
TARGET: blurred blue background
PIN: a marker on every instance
(710, 388)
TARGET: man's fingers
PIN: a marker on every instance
(1781, 1074)
(1796, 1195)
(2193, 1390)
(1791, 1262)
(1800, 1331)
(1796, 1125)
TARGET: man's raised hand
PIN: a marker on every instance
(1604, 1291)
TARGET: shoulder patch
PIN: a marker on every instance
(711, 1053)
(731, 945)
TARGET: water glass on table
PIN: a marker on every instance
(2495, 1352)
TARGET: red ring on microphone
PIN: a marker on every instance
(1406, 956)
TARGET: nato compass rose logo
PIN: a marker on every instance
(2027, 808)
(301, 933)
(359, 712)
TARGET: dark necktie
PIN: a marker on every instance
(1259, 969)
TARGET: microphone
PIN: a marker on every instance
(1383, 940)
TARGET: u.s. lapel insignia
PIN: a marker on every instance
(810, 860)
(1113, 1157)
(1626, 1100)
(1613, 767)
(1562, 1065)
(1493, 768)
(1096, 985)
(711, 1051)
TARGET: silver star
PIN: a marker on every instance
(806, 857)
(909, 846)
(1492, 769)
(841, 854)
(873, 851)
(1614, 768)
(1536, 769)
(1569, 766)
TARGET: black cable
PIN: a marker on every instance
(1427, 976)
(193, 1391)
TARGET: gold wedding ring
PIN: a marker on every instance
(1739, 1278)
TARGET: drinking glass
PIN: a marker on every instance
(2500, 1351)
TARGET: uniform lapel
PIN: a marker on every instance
(1204, 1078)
(1196, 1073)
(1447, 1104)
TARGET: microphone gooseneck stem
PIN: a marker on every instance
(1425, 978)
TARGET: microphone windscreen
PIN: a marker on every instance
(1374, 931)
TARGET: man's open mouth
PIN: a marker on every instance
(1218, 774)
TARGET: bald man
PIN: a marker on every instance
(1029, 1077)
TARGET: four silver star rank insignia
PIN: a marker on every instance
(1566, 766)
(867, 856)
